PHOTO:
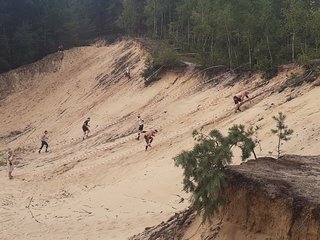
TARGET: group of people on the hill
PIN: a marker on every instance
(238, 99)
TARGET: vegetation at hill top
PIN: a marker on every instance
(258, 35)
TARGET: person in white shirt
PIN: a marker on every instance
(127, 73)
(44, 141)
(140, 126)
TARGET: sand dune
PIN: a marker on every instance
(108, 187)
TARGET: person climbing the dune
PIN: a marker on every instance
(10, 157)
(149, 137)
(44, 141)
(127, 73)
(239, 98)
(85, 128)
(140, 126)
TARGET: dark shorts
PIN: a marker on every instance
(236, 100)
(84, 128)
(148, 139)
(140, 127)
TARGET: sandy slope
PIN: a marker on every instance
(108, 187)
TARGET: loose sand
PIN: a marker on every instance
(108, 187)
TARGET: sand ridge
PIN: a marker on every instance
(108, 187)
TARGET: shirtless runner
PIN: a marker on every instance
(239, 98)
(148, 136)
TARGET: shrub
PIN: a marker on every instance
(204, 166)
(162, 56)
(304, 60)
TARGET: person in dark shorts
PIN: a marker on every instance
(149, 137)
(85, 128)
(239, 98)
(10, 166)
(140, 126)
(44, 141)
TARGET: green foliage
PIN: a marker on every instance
(31, 29)
(148, 68)
(260, 34)
(129, 17)
(204, 166)
(304, 60)
(162, 56)
(282, 131)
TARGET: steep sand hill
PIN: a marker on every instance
(108, 187)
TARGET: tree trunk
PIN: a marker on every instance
(229, 46)
(279, 143)
(161, 27)
(250, 57)
(305, 45)
(189, 32)
(202, 11)
(292, 47)
(211, 48)
(154, 18)
(270, 55)
(254, 154)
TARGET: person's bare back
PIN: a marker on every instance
(239, 98)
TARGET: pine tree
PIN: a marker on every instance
(204, 166)
(282, 131)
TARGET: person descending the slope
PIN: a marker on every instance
(10, 166)
(239, 98)
(140, 126)
(127, 73)
(44, 141)
(149, 137)
(85, 128)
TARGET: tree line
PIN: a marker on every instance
(31, 29)
(256, 34)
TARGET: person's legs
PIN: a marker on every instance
(84, 129)
(237, 107)
(138, 138)
(147, 142)
(42, 145)
(140, 131)
(237, 102)
(47, 145)
(10, 169)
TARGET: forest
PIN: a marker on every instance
(253, 34)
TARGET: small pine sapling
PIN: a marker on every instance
(282, 131)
